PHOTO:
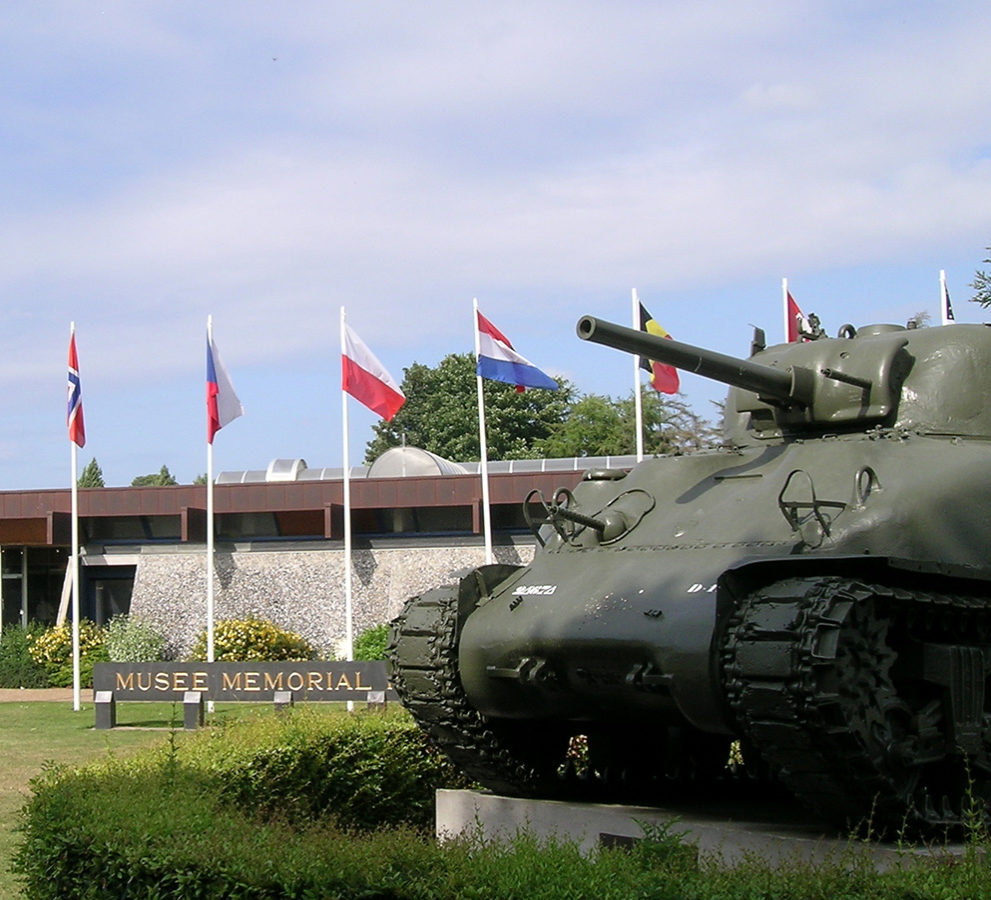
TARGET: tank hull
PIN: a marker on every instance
(589, 633)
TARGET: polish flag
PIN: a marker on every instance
(366, 379)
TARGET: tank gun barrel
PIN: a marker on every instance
(785, 386)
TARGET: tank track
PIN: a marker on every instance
(826, 678)
(423, 659)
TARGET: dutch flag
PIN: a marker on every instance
(498, 361)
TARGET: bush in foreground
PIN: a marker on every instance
(182, 841)
(124, 832)
(363, 770)
(176, 822)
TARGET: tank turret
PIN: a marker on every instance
(924, 380)
(819, 590)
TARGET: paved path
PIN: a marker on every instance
(19, 695)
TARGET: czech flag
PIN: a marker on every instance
(498, 361)
(366, 379)
(222, 405)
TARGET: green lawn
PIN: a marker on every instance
(33, 733)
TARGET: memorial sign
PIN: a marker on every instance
(243, 681)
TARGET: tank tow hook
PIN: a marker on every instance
(803, 511)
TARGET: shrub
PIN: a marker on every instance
(364, 771)
(131, 639)
(122, 832)
(371, 643)
(251, 639)
(18, 668)
(52, 649)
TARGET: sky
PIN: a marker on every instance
(268, 164)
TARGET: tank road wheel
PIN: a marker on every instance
(423, 660)
(865, 700)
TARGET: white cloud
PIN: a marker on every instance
(779, 97)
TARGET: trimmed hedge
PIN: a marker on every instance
(363, 770)
(124, 831)
(224, 814)
(87, 840)
(204, 808)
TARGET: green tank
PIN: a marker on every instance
(816, 592)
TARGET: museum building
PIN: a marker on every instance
(417, 522)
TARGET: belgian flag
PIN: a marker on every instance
(663, 378)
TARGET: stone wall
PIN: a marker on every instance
(299, 589)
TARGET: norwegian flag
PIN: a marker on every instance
(74, 415)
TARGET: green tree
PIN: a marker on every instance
(600, 426)
(672, 426)
(982, 285)
(441, 414)
(91, 475)
(164, 477)
(595, 426)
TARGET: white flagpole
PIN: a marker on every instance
(76, 677)
(209, 525)
(637, 399)
(482, 443)
(346, 459)
(784, 304)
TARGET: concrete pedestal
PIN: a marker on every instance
(776, 835)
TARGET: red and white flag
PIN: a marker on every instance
(794, 318)
(366, 379)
